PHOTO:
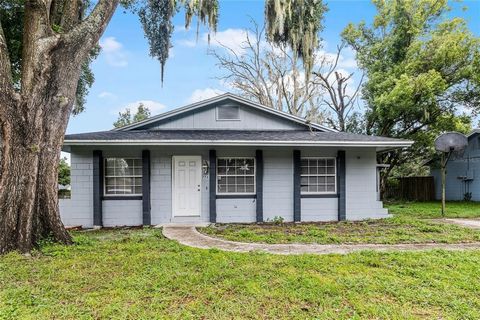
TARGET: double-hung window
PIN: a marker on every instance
(236, 176)
(318, 176)
(123, 176)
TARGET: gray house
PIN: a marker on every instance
(463, 173)
(225, 159)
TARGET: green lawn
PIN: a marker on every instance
(455, 209)
(137, 274)
(386, 231)
(409, 225)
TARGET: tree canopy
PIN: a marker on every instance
(126, 118)
(422, 72)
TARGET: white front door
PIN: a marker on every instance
(187, 179)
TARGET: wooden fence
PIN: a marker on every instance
(411, 189)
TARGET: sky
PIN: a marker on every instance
(125, 74)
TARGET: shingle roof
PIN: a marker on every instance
(284, 136)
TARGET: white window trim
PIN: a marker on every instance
(226, 105)
(237, 193)
(105, 195)
(321, 175)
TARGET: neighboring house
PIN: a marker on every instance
(225, 159)
(463, 173)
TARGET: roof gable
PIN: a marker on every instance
(203, 116)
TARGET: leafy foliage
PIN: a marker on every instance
(63, 172)
(11, 20)
(125, 118)
(155, 17)
(296, 24)
(422, 70)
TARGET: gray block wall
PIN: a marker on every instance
(78, 210)
(278, 188)
(361, 200)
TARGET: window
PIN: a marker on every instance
(123, 176)
(228, 112)
(318, 175)
(236, 176)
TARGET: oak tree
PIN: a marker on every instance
(38, 91)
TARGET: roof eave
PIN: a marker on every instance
(380, 145)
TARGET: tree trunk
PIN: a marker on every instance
(18, 184)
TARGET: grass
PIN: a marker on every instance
(385, 231)
(454, 209)
(138, 274)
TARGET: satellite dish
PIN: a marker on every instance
(451, 142)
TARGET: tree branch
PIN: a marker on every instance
(89, 31)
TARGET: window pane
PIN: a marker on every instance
(304, 181)
(119, 176)
(318, 175)
(250, 189)
(240, 180)
(231, 180)
(222, 170)
(235, 174)
(109, 171)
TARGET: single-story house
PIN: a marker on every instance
(225, 159)
(462, 173)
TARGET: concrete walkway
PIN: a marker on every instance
(469, 223)
(189, 236)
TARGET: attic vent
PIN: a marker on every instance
(228, 112)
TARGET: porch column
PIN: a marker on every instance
(259, 183)
(97, 188)
(146, 206)
(297, 204)
(341, 185)
(213, 185)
